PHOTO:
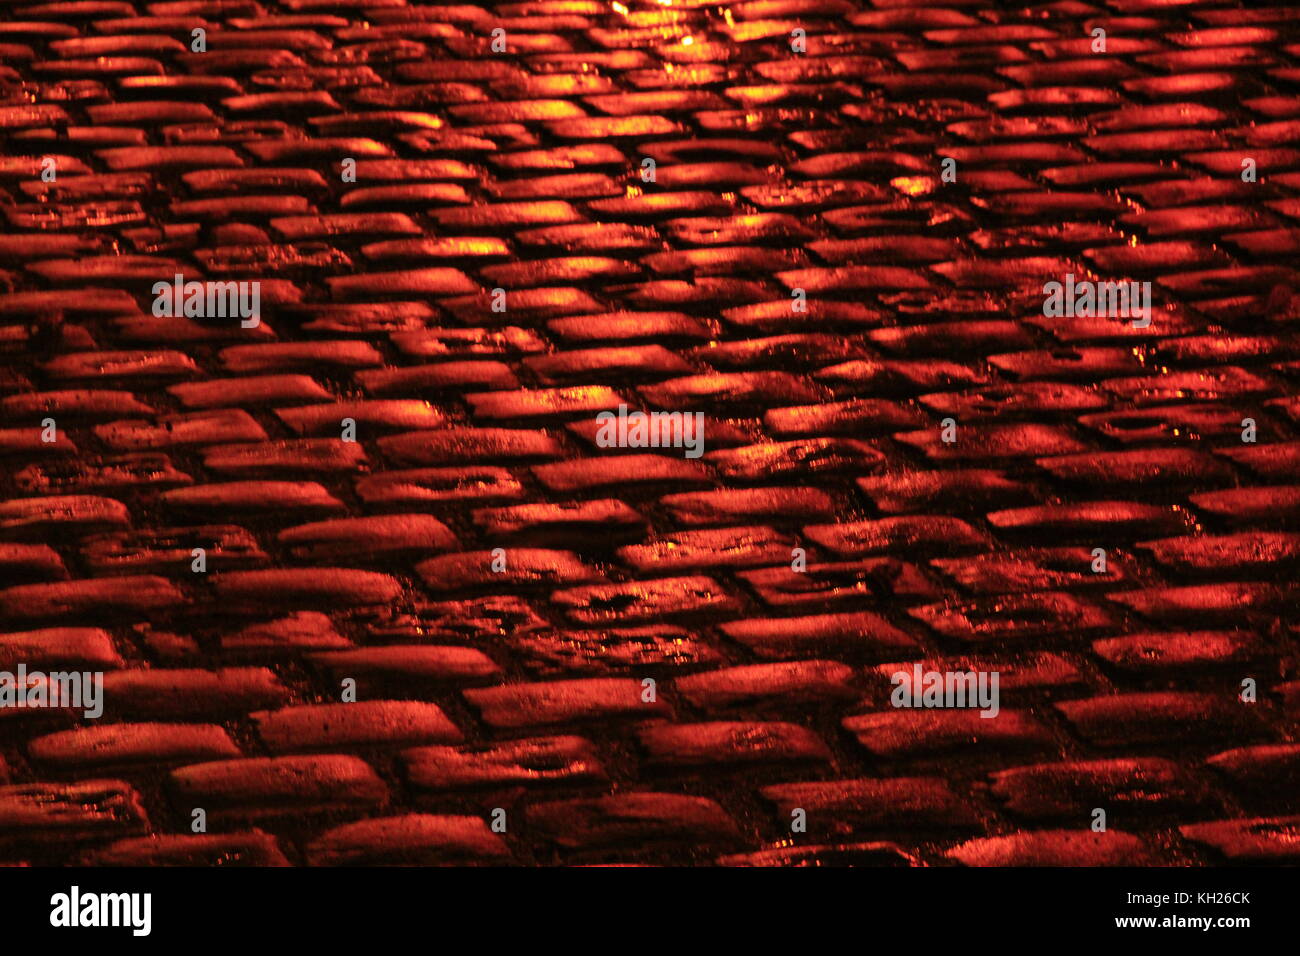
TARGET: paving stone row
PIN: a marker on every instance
(477, 227)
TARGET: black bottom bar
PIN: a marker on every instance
(647, 909)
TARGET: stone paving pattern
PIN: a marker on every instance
(521, 690)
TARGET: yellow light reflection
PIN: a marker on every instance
(912, 185)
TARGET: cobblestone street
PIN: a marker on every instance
(827, 226)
